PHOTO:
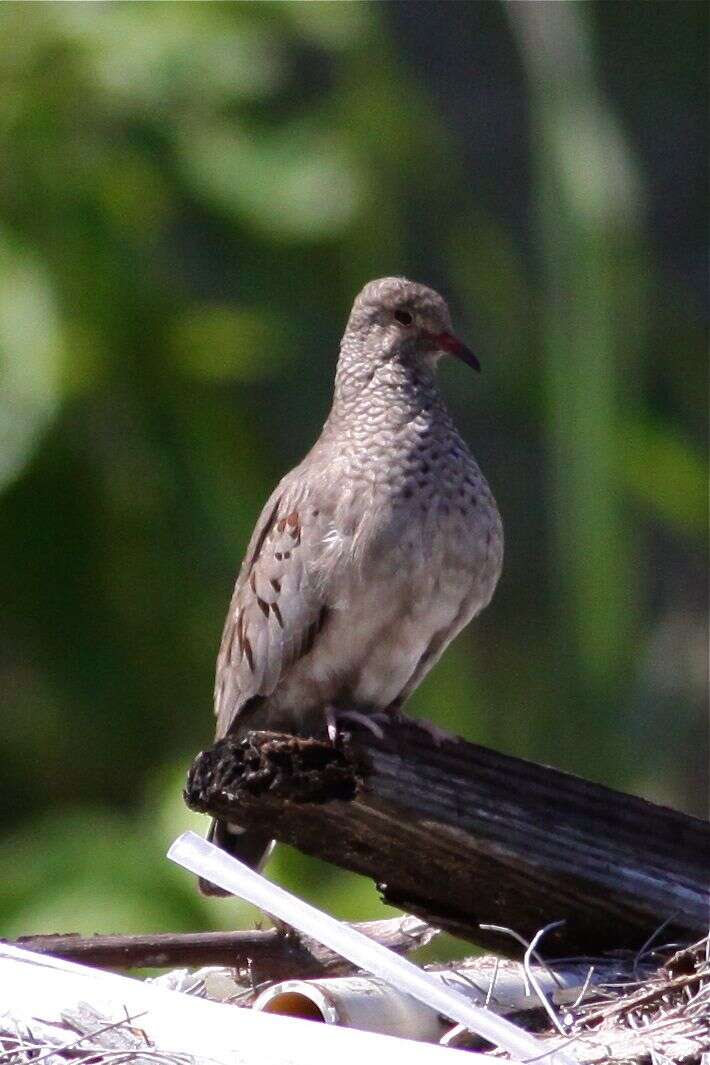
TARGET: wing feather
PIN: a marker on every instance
(276, 606)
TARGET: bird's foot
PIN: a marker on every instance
(334, 718)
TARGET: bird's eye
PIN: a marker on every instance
(404, 317)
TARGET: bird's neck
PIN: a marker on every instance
(386, 396)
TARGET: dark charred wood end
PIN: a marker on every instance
(237, 771)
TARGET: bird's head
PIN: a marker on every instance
(393, 318)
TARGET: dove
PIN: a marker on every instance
(371, 555)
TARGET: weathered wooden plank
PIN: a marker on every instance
(465, 836)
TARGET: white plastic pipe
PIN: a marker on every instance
(38, 990)
(372, 1005)
(213, 864)
(362, 1002)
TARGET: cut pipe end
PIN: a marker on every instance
(294, 1004)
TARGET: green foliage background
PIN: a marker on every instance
(190, 196)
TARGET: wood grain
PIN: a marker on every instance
(465, 836)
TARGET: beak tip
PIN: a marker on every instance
(453, 346)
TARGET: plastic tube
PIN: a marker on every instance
(370, 1004)
(208, 861)
(363, 1002)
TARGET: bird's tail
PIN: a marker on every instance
(250, 847)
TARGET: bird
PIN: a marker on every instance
(371, 555)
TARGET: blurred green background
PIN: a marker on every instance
(190, 196)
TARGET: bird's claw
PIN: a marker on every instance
(334, 718)
(438, 735)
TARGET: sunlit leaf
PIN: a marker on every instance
(300, 182)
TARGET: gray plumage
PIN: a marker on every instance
(373, 553)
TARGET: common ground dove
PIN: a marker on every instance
(372, 554)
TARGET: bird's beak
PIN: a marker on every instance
(451, 344)
(454, 346)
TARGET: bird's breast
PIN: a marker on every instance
(427, 507)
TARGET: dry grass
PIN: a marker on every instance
(653, 1010)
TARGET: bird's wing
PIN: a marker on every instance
(277, 608)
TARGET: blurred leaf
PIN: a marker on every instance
(85, 871)
(220, 341)
(596, 166)
(664, 472)
(147, 56)
(300, 182)
(30, 355)
(337, 26)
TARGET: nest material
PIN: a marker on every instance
(650, 1015)
(84, 1037)
(663, 1018)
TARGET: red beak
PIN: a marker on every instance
(451, 344)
